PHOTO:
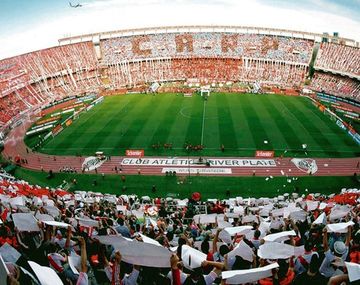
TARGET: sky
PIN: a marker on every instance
(28, 25)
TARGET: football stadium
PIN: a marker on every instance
(181, 154)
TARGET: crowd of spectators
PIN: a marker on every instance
(31, 79)
(93, 238)
(11, 75)
(78, 83)
(208, 57)
(208, 45)
(10, 106)
(338, 57)
(207, 70)
(336, 85)
(62, 59)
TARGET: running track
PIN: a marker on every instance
(14, 146)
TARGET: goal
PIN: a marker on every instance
(205, 91)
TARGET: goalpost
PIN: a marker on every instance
(205, 91)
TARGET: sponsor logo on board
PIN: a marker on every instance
(134, 152)
(307, 165)
(264, 153)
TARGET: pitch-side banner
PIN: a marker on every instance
(134, 152)
(189, 162)
(264, 153)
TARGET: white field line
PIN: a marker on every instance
(203, 124)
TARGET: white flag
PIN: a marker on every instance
(191, 257)
(281, 236)
(353, 271)
(320, 220)
(242, 250)
(46, 275)
(248, 275)
(339, 227)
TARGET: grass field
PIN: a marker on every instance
(209, 187)
(239, 121)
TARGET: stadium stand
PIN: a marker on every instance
(306, 239)
(336, 85)
(339, 58)
(31, 79)
(207, 45)
(237, 57)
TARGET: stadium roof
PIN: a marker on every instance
(200, 28)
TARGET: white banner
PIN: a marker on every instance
(275, 250)
(9, 253)
(279, 237)
(205, 218)
(74, 262)
(3, 272)
(191, 257)
(320, 220)
(57, 224)
(248, 275)
(87, 222)
(140, 253)
(226, 234)
(25, 222)
(46, 275)
(353, 271)
(218, 162)
(191, 170)
(339, 227)
(243, 250)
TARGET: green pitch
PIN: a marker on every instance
(241, 122)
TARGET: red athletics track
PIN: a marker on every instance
(14, 146)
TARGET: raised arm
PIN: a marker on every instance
(68, 237)
(348, 236)
(325, 240)
(18, 236)
(217, 265)
(294, 226)
(83, 266)
(215, 240)
(175, 271)
(339, 279)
